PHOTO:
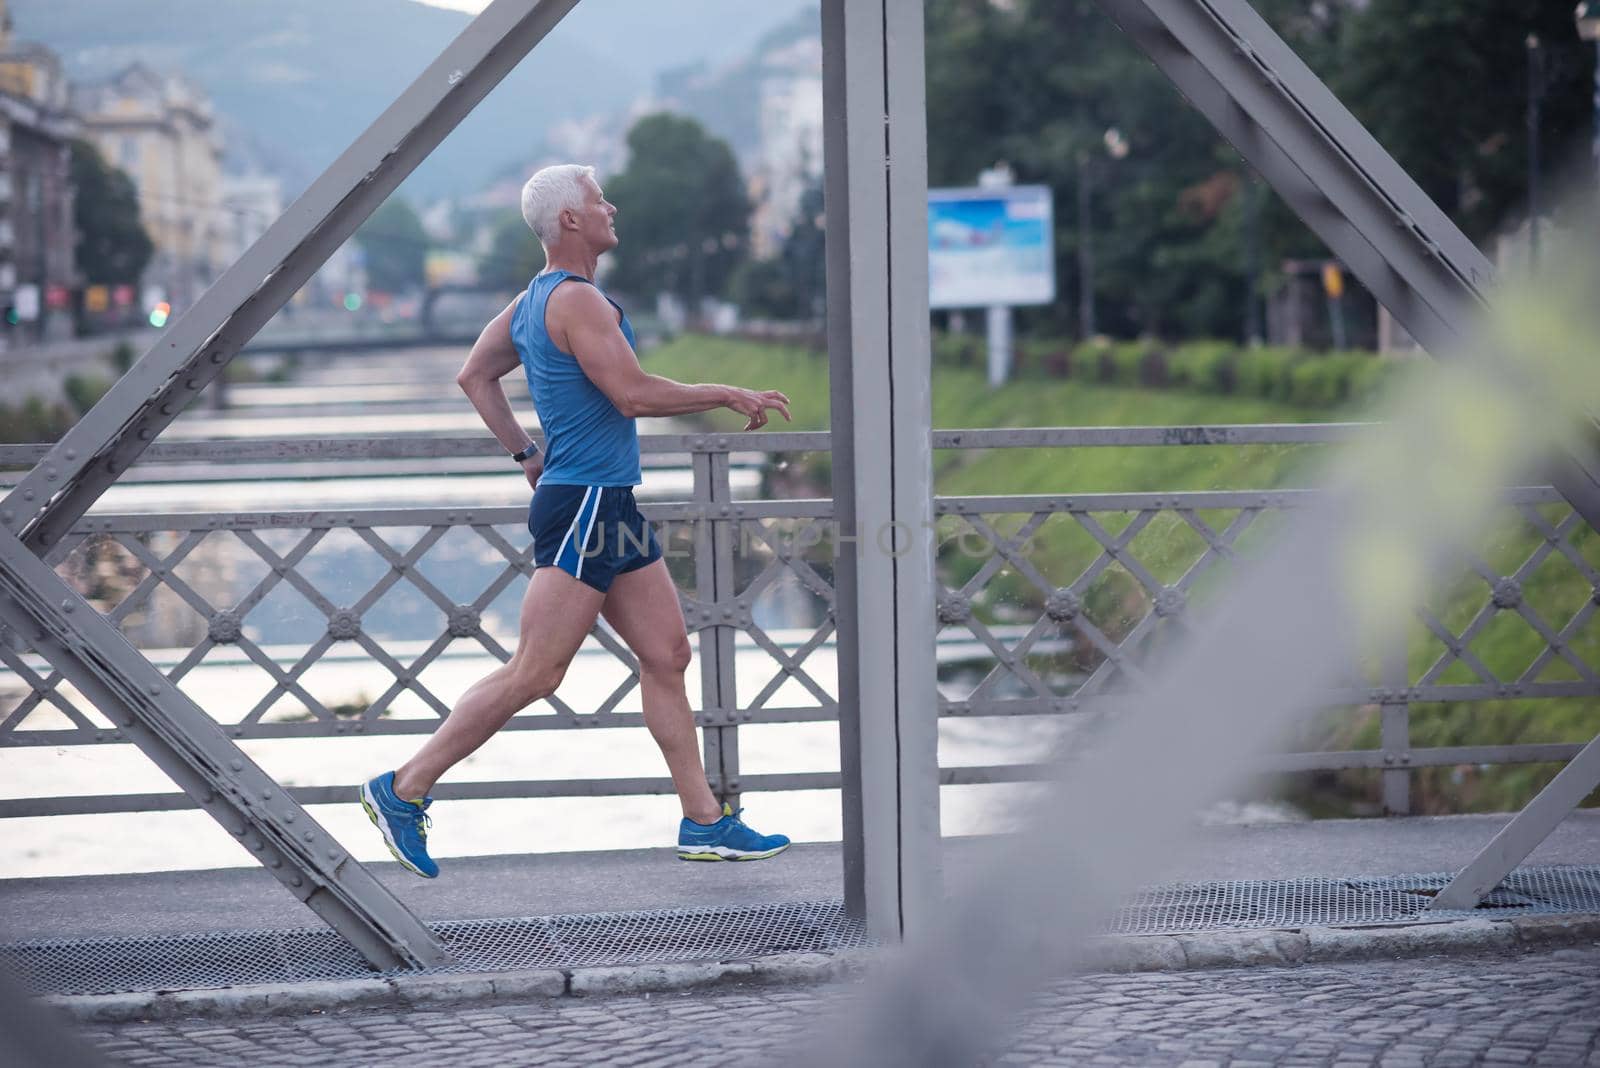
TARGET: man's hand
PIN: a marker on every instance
(533, 467)
(753, 404)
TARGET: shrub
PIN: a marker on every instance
(1205, 366)
(84, 390)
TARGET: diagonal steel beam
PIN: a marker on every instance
(1259, 95)
(84, 463)
(41, 509)
(182, 740)
(1526, 830)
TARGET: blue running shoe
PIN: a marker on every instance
(404, 824)
(726, 839)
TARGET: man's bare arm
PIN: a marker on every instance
(493, 356)
(582, 317)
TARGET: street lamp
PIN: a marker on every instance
(1117, 148)
(1588, 18)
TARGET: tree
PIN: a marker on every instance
(112, 246)
(792, 284)
(1443, 85)
(514, 255)
(683, 215)
(395, 247)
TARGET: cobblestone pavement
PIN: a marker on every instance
(1540, 1008)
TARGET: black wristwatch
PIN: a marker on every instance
(531, 450)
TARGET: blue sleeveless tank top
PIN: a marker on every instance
(588, 442)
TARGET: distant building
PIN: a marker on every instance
(788, 157)
(250, 204)
(161, 130)
(37, 234)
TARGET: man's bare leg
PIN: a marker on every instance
(642, 607)
(558, 612)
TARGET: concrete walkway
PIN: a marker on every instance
(550, 884)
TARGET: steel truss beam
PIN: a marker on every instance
(153, 713)
(1241, 75)
(1259, 95)
(91, 456)
(880, 375)
(183, 741)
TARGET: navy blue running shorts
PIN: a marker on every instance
(593, 533)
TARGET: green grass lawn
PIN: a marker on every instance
(961, 399)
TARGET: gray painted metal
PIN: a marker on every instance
(744, 448)
(875, 146)
(1340, 181)
(43, 508)
(238, 958)
(1242, 76)
(1491, 867)
(160, 549)
(195, 348)
(88, 966)
(187, 745)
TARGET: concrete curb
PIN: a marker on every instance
(1110, 953)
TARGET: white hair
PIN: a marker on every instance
(548, 193)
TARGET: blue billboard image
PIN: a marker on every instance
(990, 247)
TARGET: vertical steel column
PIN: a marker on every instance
(717, 584)
(1395, 731)
(875, 149)
(705, 590)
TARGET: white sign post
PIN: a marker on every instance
(992, 247)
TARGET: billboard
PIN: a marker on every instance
(989, 247)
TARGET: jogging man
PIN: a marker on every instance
(594, 553)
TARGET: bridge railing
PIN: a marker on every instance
(362, 623)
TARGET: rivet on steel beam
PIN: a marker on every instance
(288, 817)
(297, 881)
(236, 764)
(112, 467)
(66, 606)
(257, 844)
(309, 836)
(145, 434)
(155, 689)
(333, 854)
(71, 454)
(166, 409)
(27, 495)
(217, 357)
(266, 795)
(192, 384)
(99, 736)
(7, 516)
(50, 474)
(277, 862)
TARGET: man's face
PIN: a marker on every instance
(595, 218)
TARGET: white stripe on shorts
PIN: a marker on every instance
(576, 516)
(583, 550)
